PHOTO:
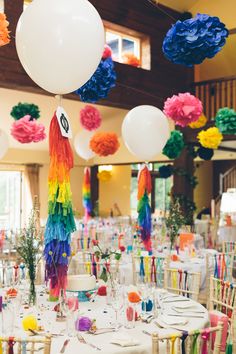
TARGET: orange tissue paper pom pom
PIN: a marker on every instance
(134, 297)
(4, 33)
(104, 144)
(131, 59)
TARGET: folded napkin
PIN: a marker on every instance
(124, 340)
(171, 321)
(186, 305)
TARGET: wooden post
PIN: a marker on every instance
(94, 186)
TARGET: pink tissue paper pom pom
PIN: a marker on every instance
(107, 53)
(90, 118)
(26, 130)
(183, 108)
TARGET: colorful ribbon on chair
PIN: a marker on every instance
(205, 337)
(94, 266)
(141, 270)
(173, 339)
(183, 339)
(11, 344)
(153, 271)
(174, 279)
(146, 268)
(186, 282)
(16, 267)
(194, 348)
(23, 347)
(216, 268)
(1, 349)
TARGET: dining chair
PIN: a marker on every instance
(31, 345)
(149, 269)
(207, 340)
(182, 282)
(229, 246)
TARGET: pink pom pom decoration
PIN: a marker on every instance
(183, 108)
(90, 118)
(26, 130)
(107, 53)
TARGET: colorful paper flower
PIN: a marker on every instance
(210, 138)
(166, 171)
(183, 108)
(102, 290)
(83, 324)
(104, 144)
(4, 32)
(134, 297)
(205, 154)
(131, 59)
(226, 120)
(104, 176)
(26, 130)
(107, 53)
(174, 145)
(191, 41)
(100, 83)
(200, 123)
(23, 109)
(90, 118)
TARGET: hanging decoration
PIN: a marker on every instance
(205, 153)
(90, 118)
(183, 108)
(104, 143)
(144, 209)
(4, 32)
(226, 120)
(26, 130)
(22, 109)
(191, 41)
(174, 145)
(101, 82)
(210, 138)
(60, 223)
(165, 171)
(131, 59)
(200, 123)
(104, 176)
(86, 191)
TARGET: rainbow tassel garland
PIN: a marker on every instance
(87, 194)
(60, 223)
(144, 209)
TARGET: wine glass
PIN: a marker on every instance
(117, 303)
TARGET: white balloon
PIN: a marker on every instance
(81, 144)
(60, 43)
(145, 131)
(4, 144)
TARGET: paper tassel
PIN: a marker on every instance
(60, 223)
(144, 220)
(87, 194)
(144, 182)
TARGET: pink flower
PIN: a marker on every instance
(107, 53)
(90, 118)
(26, 131)
(183, 108)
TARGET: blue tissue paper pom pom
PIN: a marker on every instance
(99, 85)
(191, 41)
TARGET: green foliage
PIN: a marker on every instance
(23, 109)
(174, 221)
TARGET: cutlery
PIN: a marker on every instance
(168, 327)
(82, 340)
(63, 348)
(184, 310)
(185, 314)
(45, 334)
(146, 332)
(180, 300)
(102, 331)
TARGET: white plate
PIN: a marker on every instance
(185, 305)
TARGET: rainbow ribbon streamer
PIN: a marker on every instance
(86, 193)
(60, 223)
(144, 209)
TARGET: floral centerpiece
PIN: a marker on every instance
(29, 248)
(174, 221)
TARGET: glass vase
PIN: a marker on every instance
(130, 315)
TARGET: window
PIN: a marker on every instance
(161, 190)
(128, 46)
(15, 199)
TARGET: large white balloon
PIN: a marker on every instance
(60, 43)
(145, 131)
(4, 144)
(81, 144)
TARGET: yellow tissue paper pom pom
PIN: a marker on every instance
(201, 122)
(29, 322)
(210, 138)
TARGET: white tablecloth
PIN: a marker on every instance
(227, 233)
(104, 315)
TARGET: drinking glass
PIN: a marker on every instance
(117, 303)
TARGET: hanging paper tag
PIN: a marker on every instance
(64, 123)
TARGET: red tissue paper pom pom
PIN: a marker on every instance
(26, 130)
(102, 290)
(90, 118)
(107, 53)
(104, 144)
(183, 108)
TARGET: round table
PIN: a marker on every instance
(104, 315)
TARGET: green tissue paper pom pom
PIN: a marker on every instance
(226, 120)
(23, 109)
(174, 145)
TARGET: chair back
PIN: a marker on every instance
(31, 345)
(229, 246)
(148, 269)
(182, 282)
(208, 339)
(223, 265)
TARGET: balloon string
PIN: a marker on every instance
(155, 3)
